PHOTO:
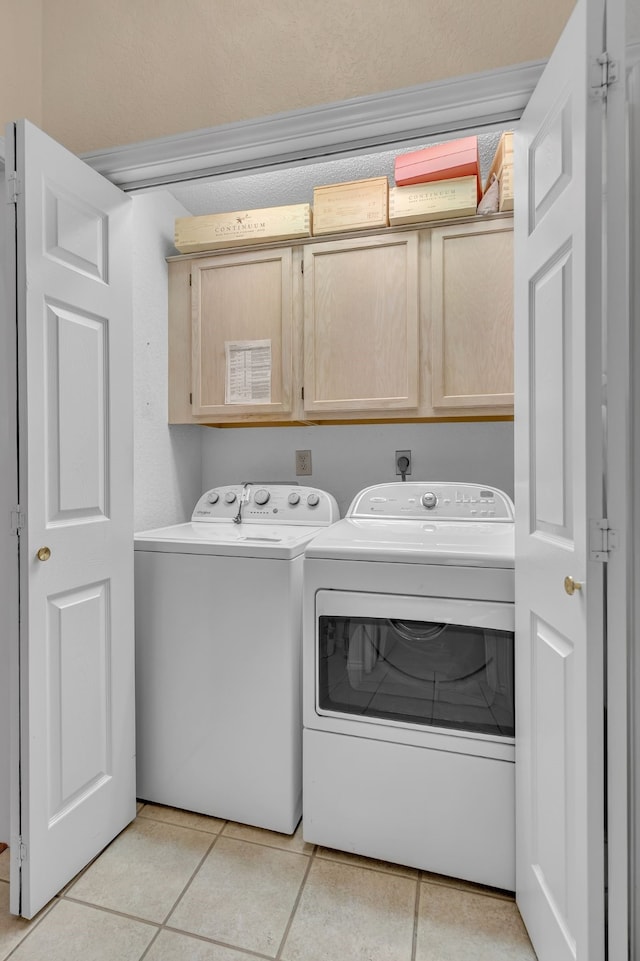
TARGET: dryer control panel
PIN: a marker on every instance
(441, 501)
(268, 502)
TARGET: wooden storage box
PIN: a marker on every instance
(502, 167)
(354, 205)
(503, 155)
(446, 161)
(433, 201)
(505, 178)
(242, 227)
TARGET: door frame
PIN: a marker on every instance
(633, 716)
(9, 545)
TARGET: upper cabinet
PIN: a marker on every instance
(361, 338)
(396, 324)
(471, 296)
(233, 334)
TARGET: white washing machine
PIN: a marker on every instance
(408, 651)
(218, 653)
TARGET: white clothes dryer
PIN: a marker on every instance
(408, 651)
(218, 653)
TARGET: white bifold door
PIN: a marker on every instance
(565, 310)
(73, 763)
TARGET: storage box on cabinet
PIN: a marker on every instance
(502, 167)
(241, 227)
(441, 200)
(456, 158)
(356, 205)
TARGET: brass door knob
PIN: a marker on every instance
(43, 554)
(571, 586)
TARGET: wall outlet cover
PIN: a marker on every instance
(303, 463)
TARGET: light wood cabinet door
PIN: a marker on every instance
(361, 327)
(240, 301)
(472, 317)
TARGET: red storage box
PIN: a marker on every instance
(446, 161)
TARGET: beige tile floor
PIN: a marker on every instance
(182, 887)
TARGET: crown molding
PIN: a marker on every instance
(426, 111)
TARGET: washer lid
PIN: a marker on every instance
(456, 543)
(232, 540)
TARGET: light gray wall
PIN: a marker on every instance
(167, 460)
(347, 458)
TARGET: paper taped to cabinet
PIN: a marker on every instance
(248, 372)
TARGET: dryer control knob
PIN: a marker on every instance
(294, 498)
(261, 496)
(229, 497)
(213, 497)
(429, 500)
(313, 500)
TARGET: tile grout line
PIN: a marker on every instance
(163, 923)
(191, 879)
(416, 916)
(285, 935)
(107, 910)
(34, 928)
(177, 824)
(365, 867)
(468, 889)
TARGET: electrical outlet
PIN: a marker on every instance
(403, 462)
(303, 462)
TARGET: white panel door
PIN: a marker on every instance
(559, 328)
(76, 765)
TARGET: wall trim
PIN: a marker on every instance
(425, 111)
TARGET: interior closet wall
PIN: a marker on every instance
(347, 458)
(167, 461)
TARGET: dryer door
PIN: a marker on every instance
(415, 661)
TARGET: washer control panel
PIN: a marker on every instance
(415, 500)
(267, 502)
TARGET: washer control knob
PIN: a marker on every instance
(294, 498)
(213, 497)
(313, 500)
(261, 496)
(429, 500)
(229, 497)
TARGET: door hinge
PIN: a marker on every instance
(604, 72)
(302, 266)
(14, 187)
(17, 521)
(22, 850)
(602, 540)
(190, 399)
(190, 280)
(302, 393)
